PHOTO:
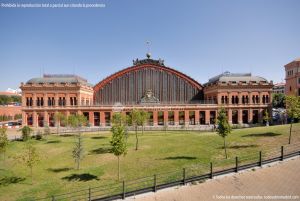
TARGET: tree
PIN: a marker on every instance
(59, 118)
(135, 121)
(47, 131)
(144, 116)
(29, 157)
(26, 132)
(118, 142)
(293, 111)
(224, 127)
(266, 117)
(278, 100)
(3, 141)
(119, 119)
(77, 121)
(78, 151)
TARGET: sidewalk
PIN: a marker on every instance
(280, 181)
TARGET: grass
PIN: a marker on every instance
(159, 152)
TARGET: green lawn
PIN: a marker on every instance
(159, 152)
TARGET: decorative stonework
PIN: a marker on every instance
(149, 98)
(159, 62)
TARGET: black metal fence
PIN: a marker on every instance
(197, 172)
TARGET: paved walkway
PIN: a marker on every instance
(280, 181)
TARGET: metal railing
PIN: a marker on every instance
(197, 172)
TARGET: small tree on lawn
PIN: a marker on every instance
(59, 118)
(3, 141)
(135, 121)
(119, 119)
(293, 111)
(118, 143)
(144, 116)
(77, 121)
(266, 117)
(29, 157)
(26, 132)
(224, 127)
(47, 131)
(78, 151)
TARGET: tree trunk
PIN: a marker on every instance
(225, 148)
(137, 139)
(290, 137)
(118, 168)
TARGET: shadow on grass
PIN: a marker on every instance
(10, 180)
(101, 150)
(53, 141)
(240, 146)
(80, 177)
(268, 134)
(67, 135)
(98, 137)
(180, 158)
(57, 170)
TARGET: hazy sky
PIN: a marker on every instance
(199, 38)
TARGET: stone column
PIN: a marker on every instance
(102, 118)
(186, 117)
(229, 116)
(240, 116)
(240, 98)
(166, 117)
(91, 118)
(197, 117)
(230, 98)
(176, 117)
(207, 116)
(46, 119)
(34, 119)
(45, 100)
(67, 99)
(250, 116)
(260, 115)
(34, 100)
(56, 98)
(260, 98)
(24, 118)
(155, 118)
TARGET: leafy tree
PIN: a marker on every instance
(78, 151)
(224, 127)
(26, 132)
(266, 117)
(119, 119)
(77, 121)
(29, 157)
(3, 141)
(278, 100)
(144, 117)
(293, 111)
(118, 142)
(135, 121)
(59, 118)
(47, 131)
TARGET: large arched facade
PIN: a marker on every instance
(147, 81)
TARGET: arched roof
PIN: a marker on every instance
(143, 66)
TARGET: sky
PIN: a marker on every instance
(201, 38)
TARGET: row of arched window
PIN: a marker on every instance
(245, 99)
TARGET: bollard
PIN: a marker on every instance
(123, 196)
(211, 170)
(260, 159)
(236, 164)
(154, 183)
(282, 153)
(183, 175)
(90, 194)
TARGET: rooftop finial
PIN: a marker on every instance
(148, 49)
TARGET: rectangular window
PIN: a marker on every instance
(299, 80)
